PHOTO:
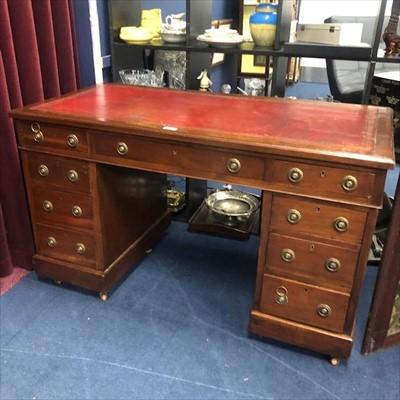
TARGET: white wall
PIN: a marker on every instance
(315, 11)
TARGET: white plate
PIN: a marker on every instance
(223, 32)
(221, 41)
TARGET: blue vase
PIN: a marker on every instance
(263, 24)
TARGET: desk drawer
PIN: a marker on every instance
(182, 158)
(42, 136)
(59, 172)
(311, 261)
(297, 217)
(66, 245)
(304, 303)
(63, 209)
(322, 181)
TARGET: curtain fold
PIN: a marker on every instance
(38, 60)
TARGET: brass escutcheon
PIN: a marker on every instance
(341, 224)
(72, 175)
(287, 255)
(293, 216)
(349, 183)
(72, 140)
(295, 175)
(233, 165)
(281, 296)
(48, 206)
(76, 211)
(332, 264)
(38, 137)
(43, 170)
(324, 310)
(80, 248)
(51, 241)
(122, 148)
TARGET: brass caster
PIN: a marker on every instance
(149, 251)
(335, 361)
(103, 296)
(57, 282)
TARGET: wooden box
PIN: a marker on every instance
(346, 34)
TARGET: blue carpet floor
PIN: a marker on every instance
(175, 328)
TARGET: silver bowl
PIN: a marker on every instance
(232, 203)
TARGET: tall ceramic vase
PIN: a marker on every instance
(263, 24)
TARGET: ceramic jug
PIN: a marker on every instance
(152, 21)
(176, 21)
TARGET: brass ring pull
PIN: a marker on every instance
(324, 310)
(349, 183)
(43, 170)
(48, 206)
(80, 248)
(51, 241)
(295, 175)
(341, 224)
(287, 255)
(72, 140)
(281, 296)
(233, 165)
(76, 211)
(122, 148)
(293, 216)
(332, 264)
(72, 175)
(35, 127)
(38, 137)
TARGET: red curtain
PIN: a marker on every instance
(38, 60)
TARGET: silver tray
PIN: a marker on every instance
(232, 203)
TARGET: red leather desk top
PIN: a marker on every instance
(312, 128)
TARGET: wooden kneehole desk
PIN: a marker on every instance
(98, 158)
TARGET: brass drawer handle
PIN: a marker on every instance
(293, 216)
(51, 241)
(35, 127)
(38, 137)
(341, 224)
(288, 255)
(324, 310)
(80, 248)
(332, 264)
(48, 206)
(233, 165)
(349, 183)
(72, 175)
(295, 175)
(72, 140)
(76, 211)
(43, 170)
(122, 148)
(281, 295)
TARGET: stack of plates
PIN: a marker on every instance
(135, 35)
(222, 37)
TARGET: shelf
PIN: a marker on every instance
(386, 59)
(316, 50)
(313, 50)
(200, 47)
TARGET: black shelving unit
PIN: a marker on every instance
(198, 54)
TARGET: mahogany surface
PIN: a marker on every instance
(354, 134)
(323, 164)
